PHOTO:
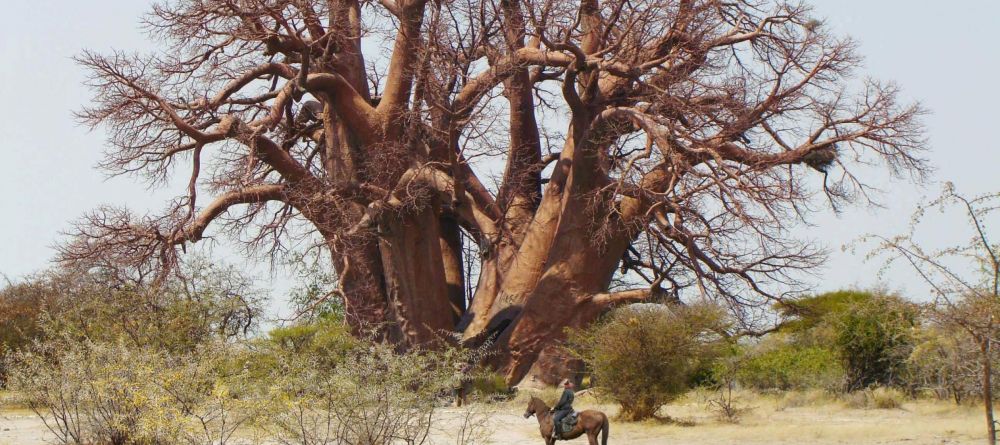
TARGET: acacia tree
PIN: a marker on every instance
(964, 279)
(666, 144)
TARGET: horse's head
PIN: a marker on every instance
(532, 407)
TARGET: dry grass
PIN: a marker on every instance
(784, 419)
(8, 401)
(816, 417)
(879, 398)
(787, 418)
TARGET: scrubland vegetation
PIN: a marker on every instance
(867, 349)
(103, 358)
(192, 366)
(186, 368)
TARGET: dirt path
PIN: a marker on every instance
(23, 428)
(917, 423)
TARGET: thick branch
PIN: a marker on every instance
(405, 52)
(254, 194)
(356, 112)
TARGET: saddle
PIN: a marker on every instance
(568, 423)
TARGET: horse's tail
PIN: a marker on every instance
(604, 431)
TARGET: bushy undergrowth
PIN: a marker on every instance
(644, 356)
(119, 394)
(838, 341)
(374, 396)
(862, 346)
(174, 364)
(201, 303)
(784, 366)
(220, 393)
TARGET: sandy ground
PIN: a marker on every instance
(19, 427)
(768, 422)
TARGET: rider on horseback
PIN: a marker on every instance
(563, 408)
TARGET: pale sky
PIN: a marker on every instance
(943, 54)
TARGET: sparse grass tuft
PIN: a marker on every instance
(9, 400)
(798, 399)
(878, 398)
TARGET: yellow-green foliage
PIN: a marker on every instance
(873, 339)
(202, 304)
(796, 399)
(374, 396)
(644, 356)
(118, 394)
(781, 364)
(326, 339)
(850, 339)
(90, 393)
(490, 386)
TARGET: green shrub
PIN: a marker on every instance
(490, 386)
(726, 401)
(874, 338)
(870, 334)
(644, 356)
(787, 366)
(805, 315)
(326, 339)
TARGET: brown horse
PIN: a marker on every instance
(589, 421)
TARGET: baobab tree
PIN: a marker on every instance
(590, 153)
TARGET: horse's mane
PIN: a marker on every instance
(536, 401)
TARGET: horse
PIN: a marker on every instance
(590, 421)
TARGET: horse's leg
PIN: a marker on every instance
(592, 436)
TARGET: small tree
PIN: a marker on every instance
(873, 339)
(964, 278)
(947, 362)
(644, 356)
(726, 374)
